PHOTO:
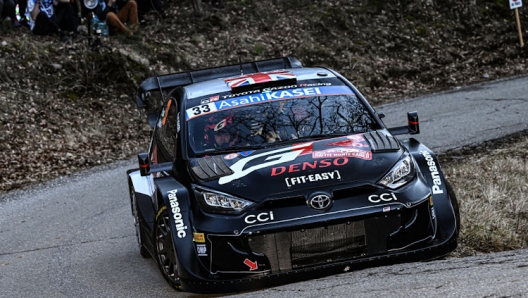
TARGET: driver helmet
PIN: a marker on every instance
(220, 132)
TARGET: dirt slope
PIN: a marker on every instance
(65, 107)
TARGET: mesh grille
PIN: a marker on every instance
(287, 250)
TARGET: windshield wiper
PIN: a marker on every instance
(322, 136)
(234, 149)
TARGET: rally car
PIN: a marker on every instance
(269, 172)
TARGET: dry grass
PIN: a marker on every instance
(492, 188)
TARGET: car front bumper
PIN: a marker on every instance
(277, 254)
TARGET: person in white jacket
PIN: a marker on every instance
(49, 18)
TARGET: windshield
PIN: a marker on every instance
(274, 122)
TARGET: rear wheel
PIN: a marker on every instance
(165, 253)
(137, 223)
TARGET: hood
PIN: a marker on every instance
(360, 159)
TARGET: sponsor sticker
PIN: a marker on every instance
(201, 249)
(315, 84)
(343, 152)
(309, 165)
(199, 237)
(435, 174)
(210, 99)
(264, 97)
(352, 141)
(231, 156)
(290, 181)
(200, 110)
(261, 217)
(269, 158)
(384, 197)
(269, 89)
(176, 211)
(246, 153)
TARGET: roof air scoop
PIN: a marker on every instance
(261, 80)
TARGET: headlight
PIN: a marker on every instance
(214, 201)
(400, 174)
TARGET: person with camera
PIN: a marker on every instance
(117, 13)
(48, 17)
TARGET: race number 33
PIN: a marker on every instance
(200, 110)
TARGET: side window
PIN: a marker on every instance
(167, 132)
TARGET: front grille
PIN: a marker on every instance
(307, 247)
(382, 233)
(283, 203)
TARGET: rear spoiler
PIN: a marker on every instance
(173, 80)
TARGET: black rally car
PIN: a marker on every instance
(270, 172)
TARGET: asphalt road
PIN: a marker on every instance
(468, 116)
(74, 237)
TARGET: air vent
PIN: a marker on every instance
(283, 203)
(210, 167)
(379, 142)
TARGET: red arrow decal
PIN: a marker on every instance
(252, 265)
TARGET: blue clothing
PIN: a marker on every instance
(45, 5)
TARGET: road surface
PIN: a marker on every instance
(74, 236)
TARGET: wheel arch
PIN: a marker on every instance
(445, 208)
(176, 199)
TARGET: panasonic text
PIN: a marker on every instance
(176, 211)
(435, 173)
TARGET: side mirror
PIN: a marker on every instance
(413, 125)
(144, 164)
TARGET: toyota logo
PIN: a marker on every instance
(320, 201)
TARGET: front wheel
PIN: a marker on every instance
(165, 253)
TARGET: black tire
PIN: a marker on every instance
(137, 224)
(165, 253)
(454, 202)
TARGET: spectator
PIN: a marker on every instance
(116, 19)
(48, 19)
(22, 19)
(7, 10)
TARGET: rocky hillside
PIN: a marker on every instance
(65, 107)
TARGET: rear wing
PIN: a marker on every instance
(173, 80)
